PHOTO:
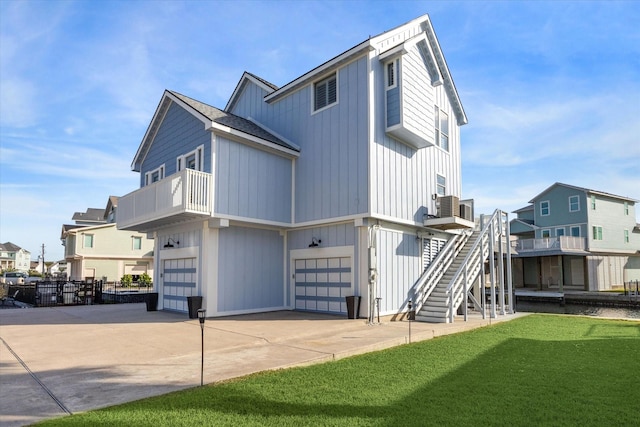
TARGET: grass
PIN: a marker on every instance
(532, 371)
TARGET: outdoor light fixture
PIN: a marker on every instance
(201, 316)
(169, 244)
(315, 242)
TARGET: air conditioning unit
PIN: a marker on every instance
(448, 206)
(466, 212)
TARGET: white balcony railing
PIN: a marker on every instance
(561, 243)
(182, 195)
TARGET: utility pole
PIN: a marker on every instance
(43, 266)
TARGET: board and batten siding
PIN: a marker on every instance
(251, 183)
(331, 172)
(250, 270)
(179, 133)
(404, 178)
(609, 214)
(399, 261)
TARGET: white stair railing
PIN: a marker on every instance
(438, 267)
(473, 264)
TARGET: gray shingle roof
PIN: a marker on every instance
(91, 215)
(227, 119)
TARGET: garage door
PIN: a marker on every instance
(180, 279)
(322, 284)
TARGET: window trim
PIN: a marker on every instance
(313, 86)
(626, 208)
(596, 233)
(626, 236)
(135, 239)
(577, 198)
(84, 240)
(198, 153)
(548, 203)
(437, 124)
(441, 186)
(148, 175)
(395, 66)
(593, 202)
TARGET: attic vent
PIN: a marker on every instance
(325, 92)
(448, 206)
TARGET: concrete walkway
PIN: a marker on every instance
(60, 360)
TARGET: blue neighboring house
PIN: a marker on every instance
(343, 182)
(575, 238)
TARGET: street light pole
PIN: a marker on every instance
(201, 317)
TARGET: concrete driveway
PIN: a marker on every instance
(61, 360)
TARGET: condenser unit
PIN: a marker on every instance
(466, 212)
(448, 206)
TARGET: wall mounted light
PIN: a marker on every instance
(315, 242)
(170, 243)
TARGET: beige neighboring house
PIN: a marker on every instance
(95, 248)
(13, 257)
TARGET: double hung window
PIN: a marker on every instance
(574, 204)
(545, 208)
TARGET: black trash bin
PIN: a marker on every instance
(195, 304)
(152, 301)
(353, 307)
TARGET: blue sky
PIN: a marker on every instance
(551, 90)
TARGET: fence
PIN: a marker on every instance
(50, 293)
(632, 290)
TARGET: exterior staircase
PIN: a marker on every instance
(448, 281)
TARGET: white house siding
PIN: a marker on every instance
(609, 214)
(403, 178)
(331, 172)
(399, 261)
(251, 183)
(179, 133)
(250, 270)
(418, 97)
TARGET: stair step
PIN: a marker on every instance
(432, 319)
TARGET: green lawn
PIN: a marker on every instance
(536, 370)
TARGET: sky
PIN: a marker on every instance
(551, 90)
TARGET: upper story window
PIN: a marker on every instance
(441, 122)
(192, 160)
(441, 185)
(575, 231)
(325, 92)
(626, 208)
(545, 208)
(626, 236)
(87, 241)
(154, 175)
(593, 203)
(574, 204)
(136, 243)
(597, 233)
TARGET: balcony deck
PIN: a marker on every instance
(181, 197)
(562, 245)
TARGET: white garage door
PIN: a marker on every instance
(180, 279)
(322, 284)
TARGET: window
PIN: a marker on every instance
(546, 234)
(626, 208)
(441, 185)
(154, 175)
(597, 233)
(87, 242)
(441, 123)
(626, 236)
(574, 204)
(136, 243)
(391, 74)
(559, 232)
(575, 231)
(545, 208)
(325, 92)
(192, 160)
(593, 203)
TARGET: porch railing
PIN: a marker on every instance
(551, 243)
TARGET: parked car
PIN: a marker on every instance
(14, 277)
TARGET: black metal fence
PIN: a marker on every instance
(50, 293)
(632, 290)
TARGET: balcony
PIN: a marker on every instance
(563, 245)
(451, 213)
(181, 197)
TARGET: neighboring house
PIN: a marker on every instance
(95, 248)
(345, 181)
(576, 238)
(13, 257)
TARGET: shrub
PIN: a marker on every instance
(126, 280)
(144, 280)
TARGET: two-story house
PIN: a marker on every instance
(576, 238)
(345, 181)
(13, 257)
(95, 248)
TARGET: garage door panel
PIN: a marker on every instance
(322, 283)
(180, 276)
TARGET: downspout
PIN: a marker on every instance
(373, 270)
